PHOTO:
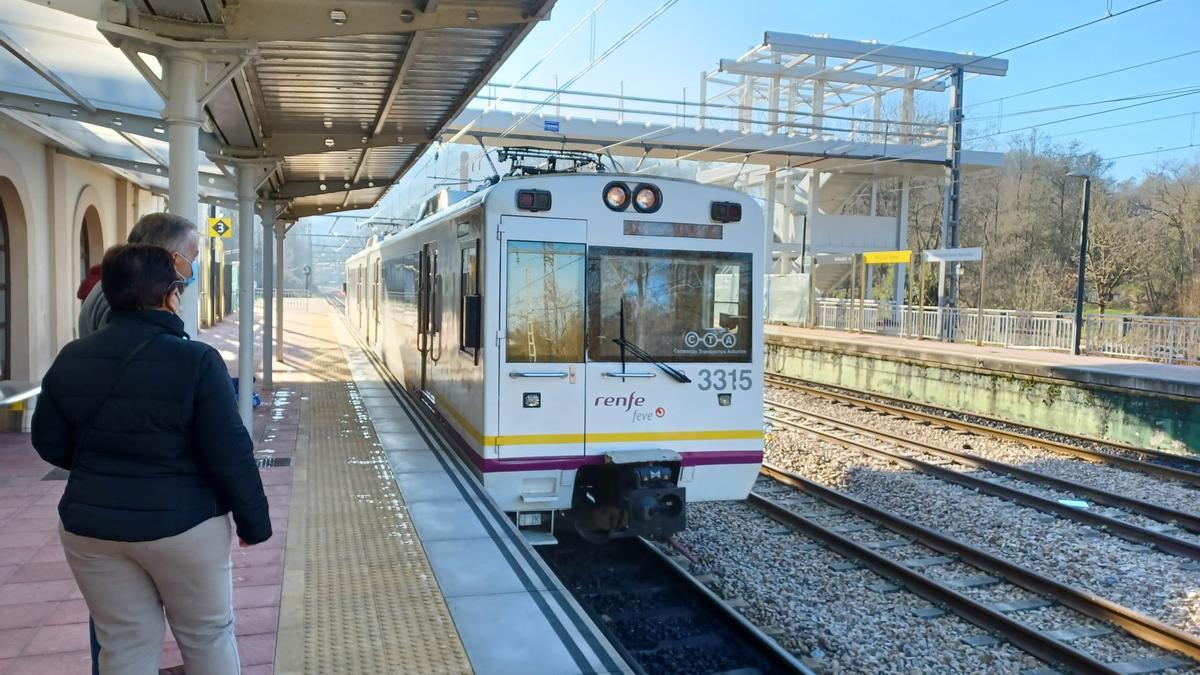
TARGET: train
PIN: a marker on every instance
(592, 340)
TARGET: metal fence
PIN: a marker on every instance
(997, 327)
(297, 299)
(1167, 339)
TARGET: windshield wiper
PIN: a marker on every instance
(642, 354)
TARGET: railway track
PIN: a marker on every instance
(1129, 457)
(1033, 598)
(904, 452)
(662, 618)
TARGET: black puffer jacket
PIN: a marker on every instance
(166, 452)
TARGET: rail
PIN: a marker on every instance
(1033, 641)
(836, 433)
(1152, 462)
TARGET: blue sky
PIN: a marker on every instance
(670, 53)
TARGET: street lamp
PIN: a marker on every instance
(1083, 241)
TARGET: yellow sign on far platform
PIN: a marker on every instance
(887, 257)
(220, 227)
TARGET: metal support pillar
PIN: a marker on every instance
(270, 210)
(954, 176)
(1080, 280)
(280, 233)
(769, 224)
(185, 74)
(902, 273)
(247, 184)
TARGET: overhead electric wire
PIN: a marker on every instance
(596, 61)
(1110, 15)
(914, 35)
(1106, 17)
(1085, 104)
(530, 70)
(1084, 79)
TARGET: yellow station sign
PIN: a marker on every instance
(887, 257)
(220, 227)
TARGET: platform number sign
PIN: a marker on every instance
(220, 227)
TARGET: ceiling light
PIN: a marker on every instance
(406, 16)
(328, 124)
(370, 183)
(159, 129)
(117, 121)
(472, 15)
(338, 17)
(345, 186)
(329, 142)
(322, 187)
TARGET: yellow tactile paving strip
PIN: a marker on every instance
(370, 601)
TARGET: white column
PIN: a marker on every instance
(184, 73)
(769, 223)
(268, 285)
(902, 239)
(280, 232)
(246, 184)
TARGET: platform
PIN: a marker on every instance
(1149, 404)
(387, 556)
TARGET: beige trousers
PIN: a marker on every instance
(127, 585)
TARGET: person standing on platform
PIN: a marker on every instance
(145, 421)
(174, 233)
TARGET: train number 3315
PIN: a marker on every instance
(721, 380)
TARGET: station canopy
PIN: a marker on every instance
(343, 96)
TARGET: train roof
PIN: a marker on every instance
(480, 196)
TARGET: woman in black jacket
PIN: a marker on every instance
(145, 420)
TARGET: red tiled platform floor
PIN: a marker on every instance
(43, 618)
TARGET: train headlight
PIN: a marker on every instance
(616, 196)
(725, 212)
(647, 198)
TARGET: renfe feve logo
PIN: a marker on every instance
(631, 403)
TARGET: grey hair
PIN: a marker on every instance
(168, 230)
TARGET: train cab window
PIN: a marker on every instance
(679, 305)
(545, 302)
(470, 329)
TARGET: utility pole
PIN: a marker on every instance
(954, 178)
(1083, 242)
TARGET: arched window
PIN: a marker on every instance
(5, 311)
(85, 251)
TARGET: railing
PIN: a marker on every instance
(291, 298)
(998, 327)
(1172, 340)
(1167, 339)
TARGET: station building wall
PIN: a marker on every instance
(57, 209)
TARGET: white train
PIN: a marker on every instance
(594, 340)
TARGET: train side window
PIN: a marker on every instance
(470, 326)
(545, 303)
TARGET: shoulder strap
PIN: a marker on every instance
(86, 429)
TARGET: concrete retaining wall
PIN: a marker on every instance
(1128, 415)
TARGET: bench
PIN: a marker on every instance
(13, 395)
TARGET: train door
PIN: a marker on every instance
(376, 306)
(542, 302)
(429, 312)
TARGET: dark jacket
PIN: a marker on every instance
(166, 452)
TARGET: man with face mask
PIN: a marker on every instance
(167, 230)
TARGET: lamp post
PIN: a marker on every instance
(1083, 242)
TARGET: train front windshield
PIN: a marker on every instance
(691, 306)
